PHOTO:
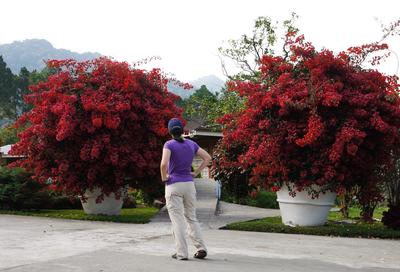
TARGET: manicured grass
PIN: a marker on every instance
(354, 213)
(135, 215)
(334, 227)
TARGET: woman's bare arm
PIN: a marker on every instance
(206, 160)
(166, 155)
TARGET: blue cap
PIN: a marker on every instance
(174, 123)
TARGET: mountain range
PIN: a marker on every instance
(213, 83)
(32, 53)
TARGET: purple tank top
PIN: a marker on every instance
(180, 163)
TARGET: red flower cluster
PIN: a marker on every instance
(313, 118)
(98, 123)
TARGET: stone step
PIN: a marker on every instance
(205, 206)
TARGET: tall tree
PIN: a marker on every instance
(228, 102)
(199, 105)
(22, 83)
(247, 51)
(40, 76)
(7, 91)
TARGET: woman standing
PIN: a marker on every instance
(180, 192)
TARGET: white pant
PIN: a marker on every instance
(181, 205)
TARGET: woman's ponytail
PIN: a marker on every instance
(176, 133)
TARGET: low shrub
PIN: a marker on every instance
(62, 202)
(19, 192)
(265, 199)
(391, 218)
(129, 201)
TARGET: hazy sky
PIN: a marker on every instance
(187, 34)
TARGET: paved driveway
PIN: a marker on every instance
(44, 244)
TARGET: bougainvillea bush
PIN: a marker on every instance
(226, 169)
(314, 118)
(98, 123)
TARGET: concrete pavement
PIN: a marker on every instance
(228, 213)
(48, 245)
(44, 244)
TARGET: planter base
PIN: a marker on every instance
(302, 210)
(109, 206)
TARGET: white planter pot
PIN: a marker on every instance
(302, 210)
(109, 206)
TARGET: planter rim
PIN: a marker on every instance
(97, 190)
(306, 203)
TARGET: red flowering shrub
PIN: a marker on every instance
(314, 118)
(225, 168)
(98, 123)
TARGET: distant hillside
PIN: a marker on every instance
(32, 53)
(213, 83)
(179, 90)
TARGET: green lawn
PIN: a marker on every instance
(354, 213)
(135, 215)
(334, 227)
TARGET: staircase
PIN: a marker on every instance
(205, 206)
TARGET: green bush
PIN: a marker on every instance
(391, 218)
(263, 199)
(19, 192)
(62, 202)
(130, 200)
(266, 199)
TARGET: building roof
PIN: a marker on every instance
(196, 128)
(5, 149)
(192, 125)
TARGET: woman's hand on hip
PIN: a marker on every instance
(166, 179)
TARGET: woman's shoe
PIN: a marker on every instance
(175, 256)
(201, 254)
